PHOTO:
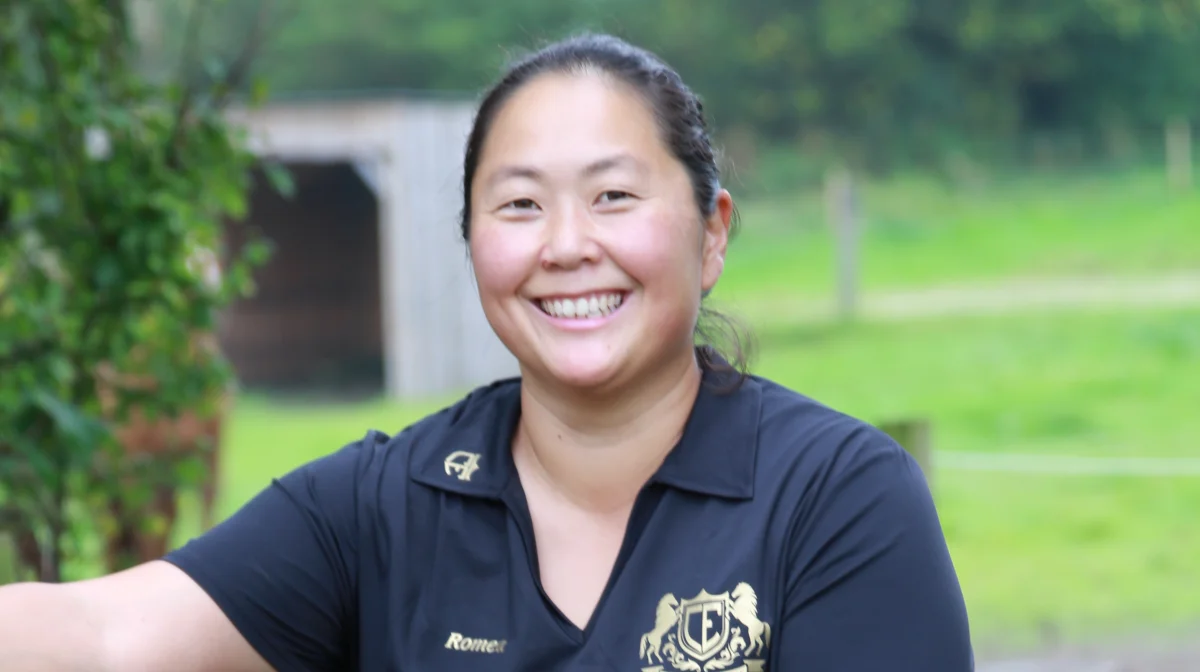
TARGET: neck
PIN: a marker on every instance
(598, 452)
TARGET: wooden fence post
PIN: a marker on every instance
(842, 215)
(1179, 153)
(914, 435)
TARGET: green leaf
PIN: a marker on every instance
(280, 178)
(108, 273)
(62, 370)
(71, 421)
(257, 252)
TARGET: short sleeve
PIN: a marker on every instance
(284, 567)
(872, 586)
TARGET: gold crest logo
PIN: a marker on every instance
(462, 463)
(707, 633)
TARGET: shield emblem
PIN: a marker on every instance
(703, 627)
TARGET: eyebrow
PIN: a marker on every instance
(615, 161)
(592, 169)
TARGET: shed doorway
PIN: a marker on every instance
(314, 323)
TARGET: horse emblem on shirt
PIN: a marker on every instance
(707, 633)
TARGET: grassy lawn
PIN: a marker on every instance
(921, 233)
(1087, 554)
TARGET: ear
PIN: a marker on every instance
(716, 241)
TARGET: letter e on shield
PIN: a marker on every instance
(703, 628)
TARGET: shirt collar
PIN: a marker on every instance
(472, 455)
(715, 457)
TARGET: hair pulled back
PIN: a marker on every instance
(722, 346)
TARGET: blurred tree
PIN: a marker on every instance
(110, 189)
(907, 76)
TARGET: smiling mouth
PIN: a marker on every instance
(590, 306)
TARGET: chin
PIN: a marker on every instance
(583, 371)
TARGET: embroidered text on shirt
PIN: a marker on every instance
(459, 643)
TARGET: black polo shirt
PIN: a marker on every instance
(778, 535)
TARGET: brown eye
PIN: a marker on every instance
(520, 205)
(613, 195)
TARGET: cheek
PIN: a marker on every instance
(501, 262)
(662, 254)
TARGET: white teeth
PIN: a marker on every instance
(596, 305)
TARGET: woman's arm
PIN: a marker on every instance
(151, 617)
(273, 587)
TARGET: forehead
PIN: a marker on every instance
(573, 118)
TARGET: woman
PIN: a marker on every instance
(632, 502)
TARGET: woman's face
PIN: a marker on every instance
(587, 243)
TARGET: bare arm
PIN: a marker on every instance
(149, 618)
(35, 622)
(275, 582)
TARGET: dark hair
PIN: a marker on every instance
(721, 345)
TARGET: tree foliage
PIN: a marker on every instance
(906, 75)
(110, 188)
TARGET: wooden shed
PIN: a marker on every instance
(370, 284)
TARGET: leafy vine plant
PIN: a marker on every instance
(112, 187)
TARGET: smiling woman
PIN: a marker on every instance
(623, 131)
(574, 197)
(632, 500)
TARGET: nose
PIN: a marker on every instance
(569, 240)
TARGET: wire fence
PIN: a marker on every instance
(1066, 465)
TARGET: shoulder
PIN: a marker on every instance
(791, 422)
(836, 477)
(483, 407)
(804, 443)
(382, 454)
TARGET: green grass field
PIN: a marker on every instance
(922, 232)
(1086, 553)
